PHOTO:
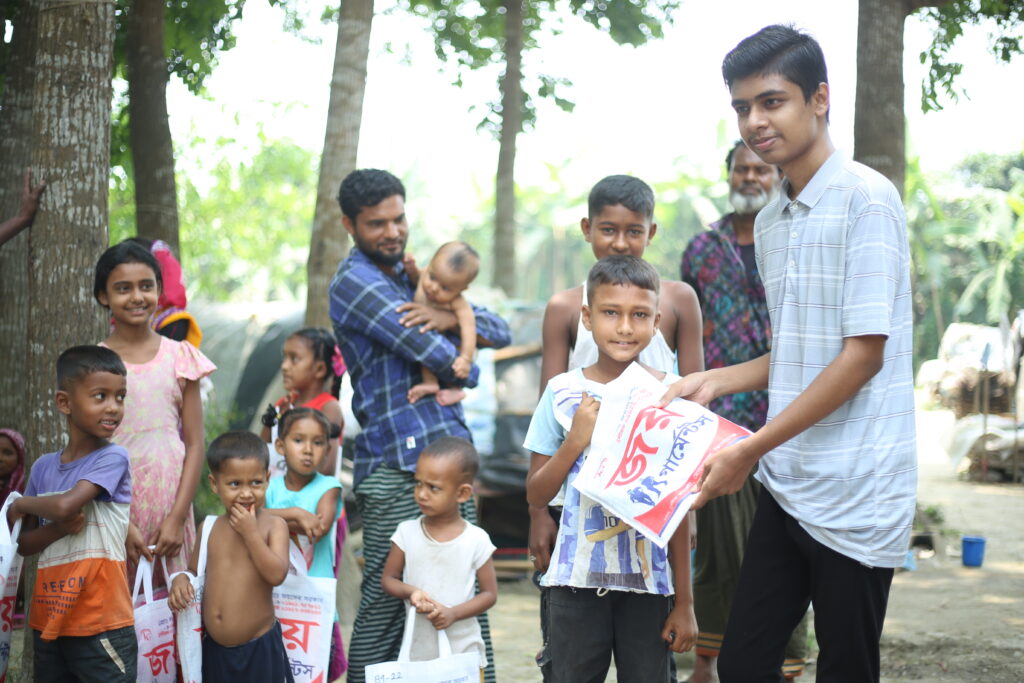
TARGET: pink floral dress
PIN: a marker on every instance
(151, 433)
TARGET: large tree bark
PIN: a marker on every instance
(511, 125)
(15, 155)
(879, 124)
(156, 206)
(328, 243)
(71, 150)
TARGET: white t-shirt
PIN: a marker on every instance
(447, 572)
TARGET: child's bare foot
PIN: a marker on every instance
(448, 397)
(423, 389)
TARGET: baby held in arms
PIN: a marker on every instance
(440, 285)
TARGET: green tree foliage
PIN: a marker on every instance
(990, 170)
(948, 20)
(244, 224)
(470, 33)
(967, 248)
(195, 32)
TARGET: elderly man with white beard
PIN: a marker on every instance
(719, 264)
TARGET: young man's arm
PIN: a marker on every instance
(689, 332)
(859, 360)
(269, 554)
(467, 336)
(443, 617)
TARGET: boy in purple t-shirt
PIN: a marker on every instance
(76, 510)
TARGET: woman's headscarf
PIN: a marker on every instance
(16, 482)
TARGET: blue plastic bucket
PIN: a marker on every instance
(973, 550)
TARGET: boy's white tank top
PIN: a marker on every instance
(657, 354)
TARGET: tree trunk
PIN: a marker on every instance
(328, 242)
(511, 124)
(156, 205)
(71, 150)
(15, 155)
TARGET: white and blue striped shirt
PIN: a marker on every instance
(835, 263)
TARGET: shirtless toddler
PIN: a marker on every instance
(440, 285)
(247, 555)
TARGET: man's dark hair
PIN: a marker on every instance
(778, 49)
(623, 269)
(632, 193)
(457, 448)
(367, 187)
(128, 251)
(80, 361)
(236, 445)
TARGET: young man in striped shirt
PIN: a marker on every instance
(837, 457)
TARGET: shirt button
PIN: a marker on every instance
(793, 233)
(792, 264)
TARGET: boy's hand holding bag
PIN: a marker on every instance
(189, 621)
(447, 668)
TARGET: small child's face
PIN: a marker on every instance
(8, 457)
(95, 403)
(622, 319)
(299, 367)
(618, 230)
(242, 481)
(303, 447)
(439, 486)
(131, 294)
(442, 284)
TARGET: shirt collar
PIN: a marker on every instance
(818, 183)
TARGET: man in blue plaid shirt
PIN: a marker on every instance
(385, 338)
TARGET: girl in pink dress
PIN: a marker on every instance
(162, 427)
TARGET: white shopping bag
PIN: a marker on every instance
(189, 622)
(447, 668)
(154, 629)
(305, 607)
(645, 462)
(10, 571)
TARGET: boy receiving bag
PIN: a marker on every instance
(76, 510)
(611, 588)
(436, 560)
(247, 555)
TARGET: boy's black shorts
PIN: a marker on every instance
(108, 657)
(261, 659)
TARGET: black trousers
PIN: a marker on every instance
(784, 570)
(585, 629)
